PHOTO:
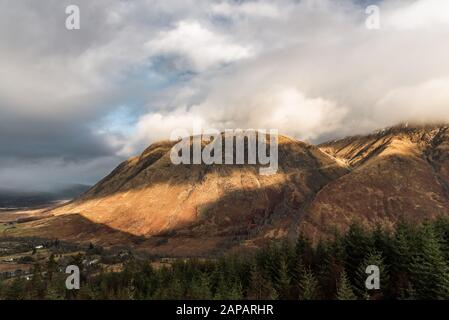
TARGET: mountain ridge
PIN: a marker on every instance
(380, 178)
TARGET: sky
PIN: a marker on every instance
(75, 103)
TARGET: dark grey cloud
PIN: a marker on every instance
(41, 139)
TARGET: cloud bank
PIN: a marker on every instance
(80, 101)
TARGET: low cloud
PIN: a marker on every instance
(434, 93)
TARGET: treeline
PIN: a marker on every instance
(413, 262)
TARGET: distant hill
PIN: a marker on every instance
(19, 199)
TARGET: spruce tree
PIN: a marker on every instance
(37, 284)
(283, 281)
(200, 289)
(400, 261)
(357, 244)
(304, 251)
(308, 285)
(372, 258)
(51, 267)
(327, 270)
(344, 290)
(175, 290)
(298, 273)
(429, 269)
(235, 291)
(288, 253)
(334, 265)
(16, 290)
(261, 287)
(56, 287)
(441, 226)
(220, 288)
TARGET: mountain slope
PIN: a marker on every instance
(151, 197)
(148, 202)
(397, 173)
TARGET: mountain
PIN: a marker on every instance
(396, 173)
(200, 208)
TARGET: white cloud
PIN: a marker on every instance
(201, 47)
(159, 126)
(285, 109)
(409, 103)
(293, 113)
(309, 68)
(421, 14)
(317, 72)
(249, 9)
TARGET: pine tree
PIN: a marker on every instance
(222, 288)
(357, 244)
(267, 260)
(283, 280)
(333, 266)
(429, 269)
(16, 291)
(51, 267)
(37, 283)
(304, 251)
(56, 288)
(327, 269)
(381, 240)
(441, 226)
(344, 290)
(200, 288)
(400, 261)
(235, 292)
(376, 259)
(144, 281)
(175, 290)
(298, 273)
(308, 285)
(86, 293)
(319, 254)
(261, 287)
(288, 254)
